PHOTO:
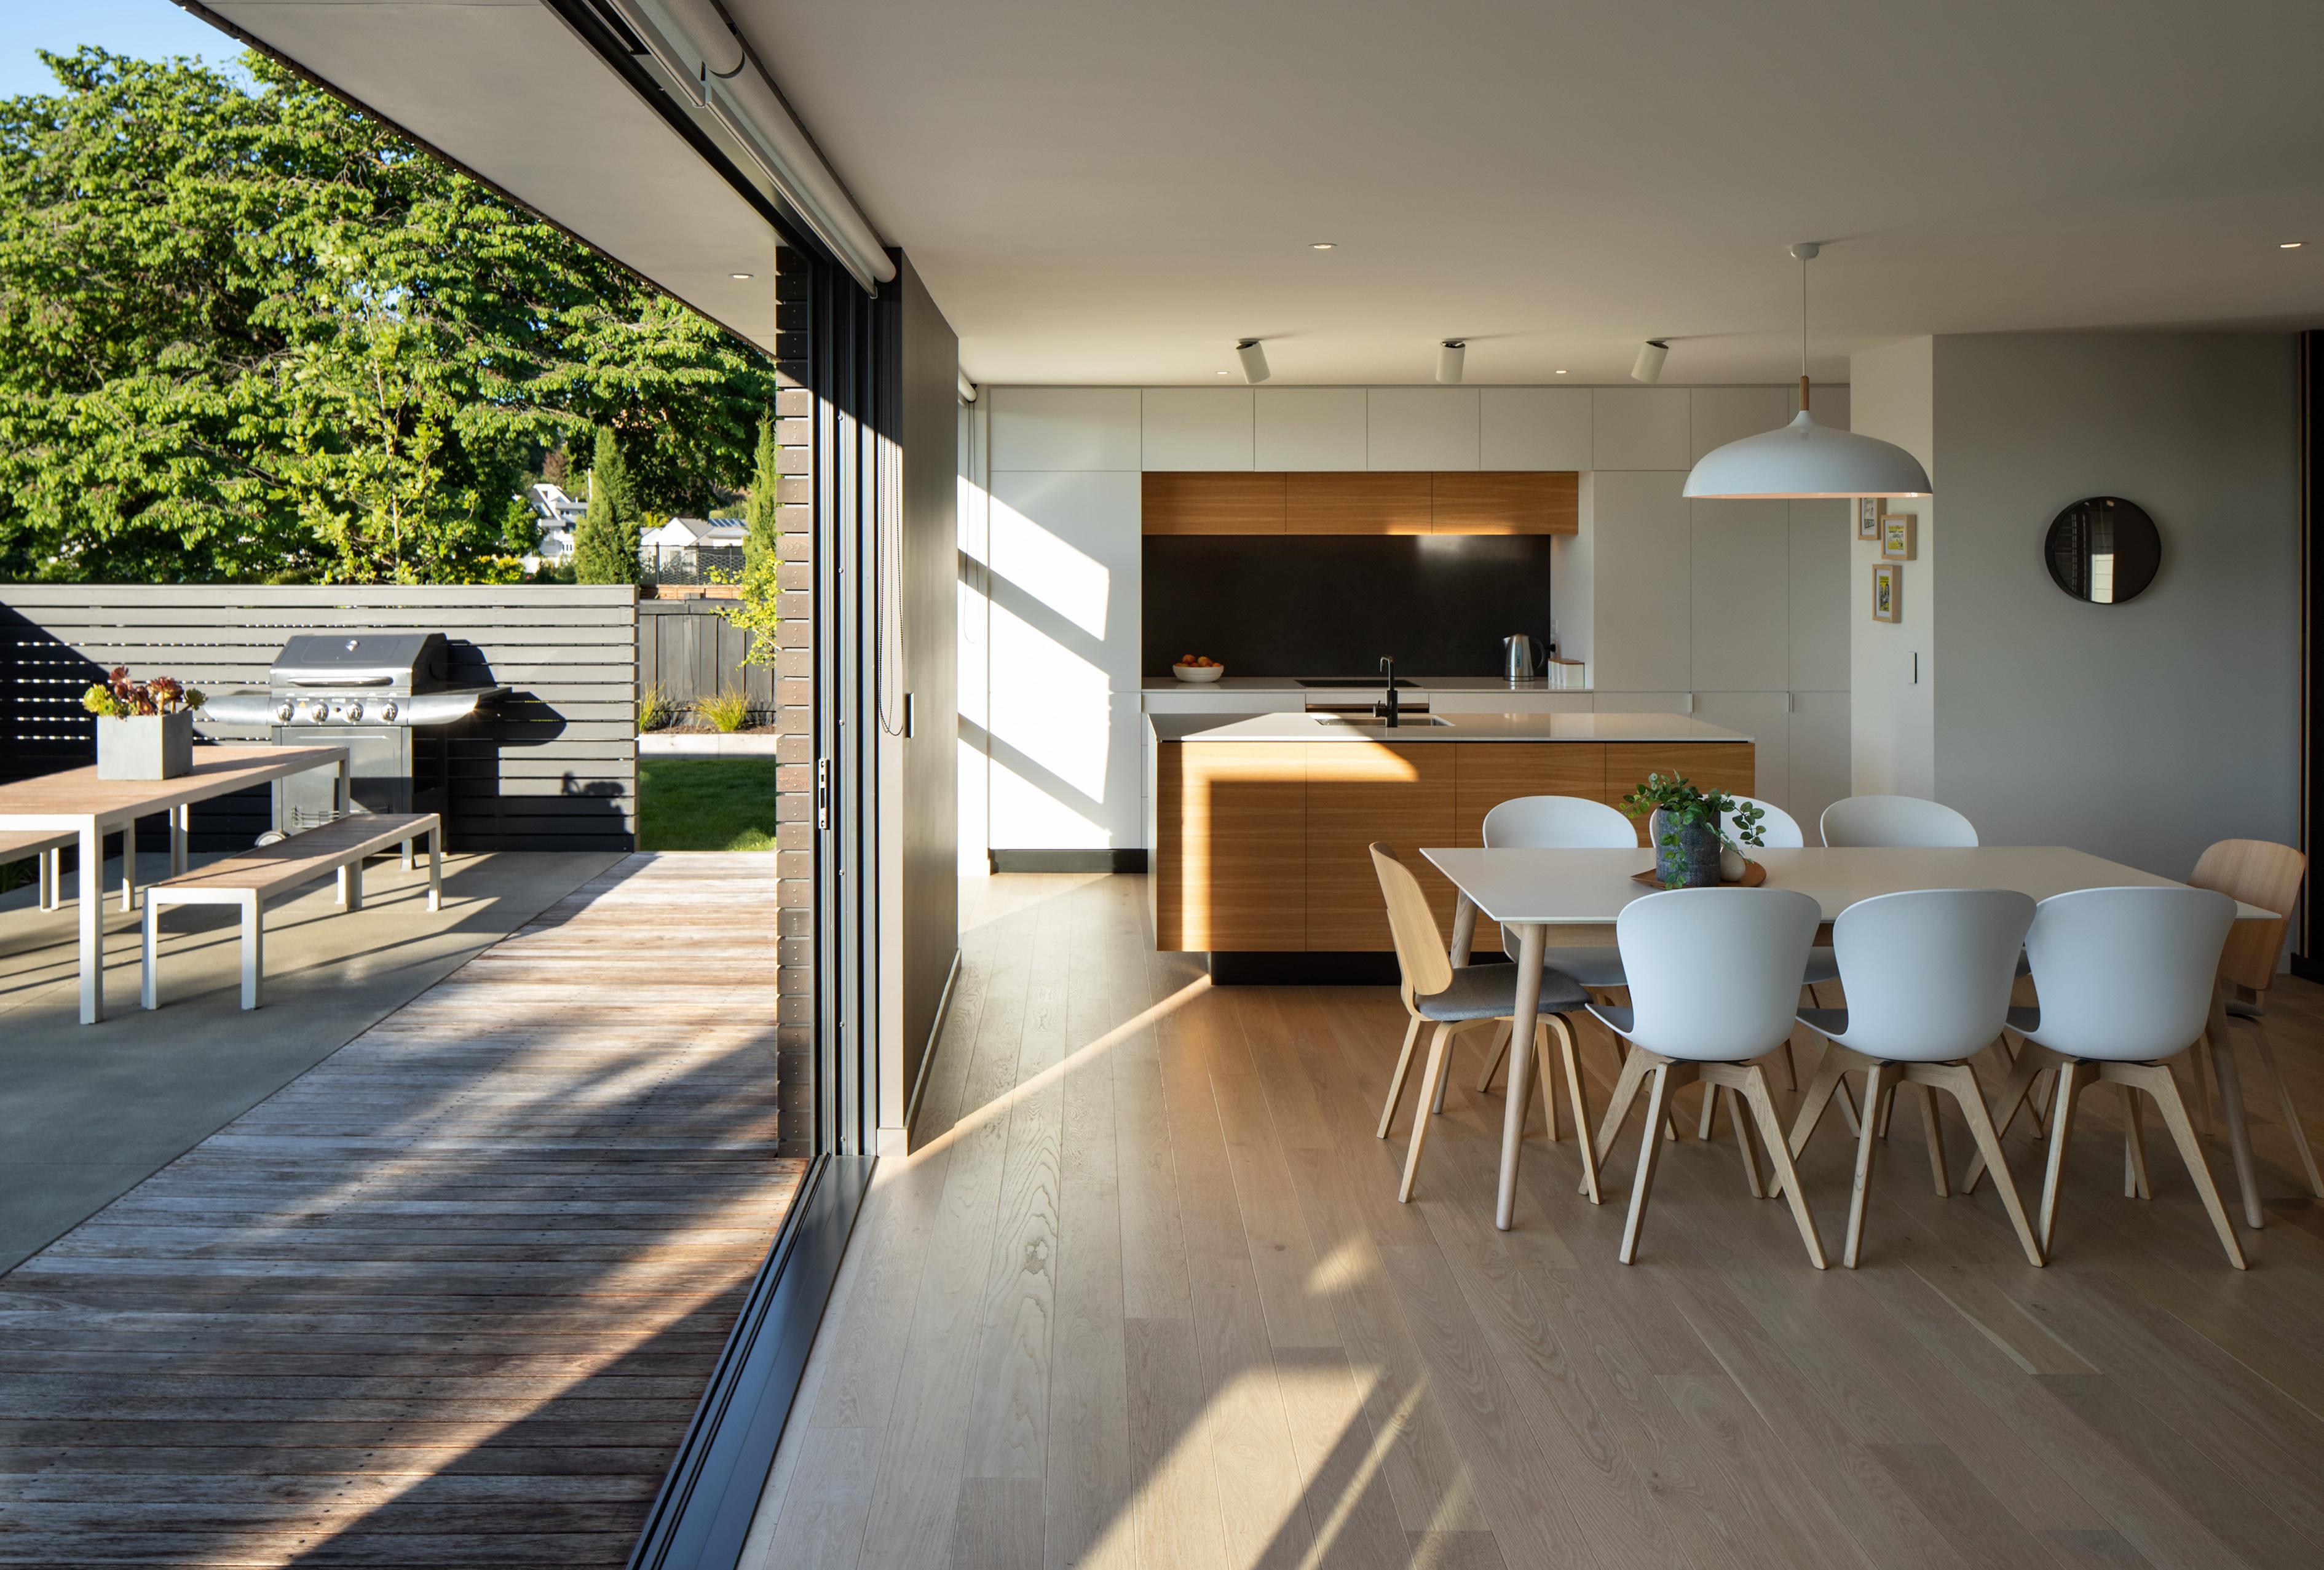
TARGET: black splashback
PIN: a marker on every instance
(1330, 604)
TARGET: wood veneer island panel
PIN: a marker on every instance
(1265, 847)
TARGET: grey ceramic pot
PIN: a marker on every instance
(1693, 862)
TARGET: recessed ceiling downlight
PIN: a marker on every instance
(742, 275)
(2290, 245)
(1325, 245)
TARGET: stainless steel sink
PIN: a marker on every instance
(1365, 723)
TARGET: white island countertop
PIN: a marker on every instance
(1405, 682)
(1465, 727)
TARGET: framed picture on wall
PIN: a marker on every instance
(1868, 517)
(1887, 592)
(1896, 536)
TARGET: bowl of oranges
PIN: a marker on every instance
(1198, 667)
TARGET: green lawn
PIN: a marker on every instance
(706, 804)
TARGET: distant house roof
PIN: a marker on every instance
(554, 507)
(684, 532)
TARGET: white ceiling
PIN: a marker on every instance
(1111, 192)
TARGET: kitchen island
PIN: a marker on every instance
(1260, 824)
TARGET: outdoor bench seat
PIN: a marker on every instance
(256, 878)
(44, 847)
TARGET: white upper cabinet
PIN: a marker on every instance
(1422, 427)
(1309, 428)
(1725, 414)
(1198, 428)
(1741, 573)
(1642, 550)
(1533, 428)
(1821, 600)
(1065, 427)
(1640, 427)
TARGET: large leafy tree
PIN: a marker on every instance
(246, 332)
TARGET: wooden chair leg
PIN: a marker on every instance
(1790, 1068)
(1578, 1095)
(2155, 1080)
(1887, 1110)
(1875, 1083)
(1934, 1132)
(1440, 1048)
(1547, 1081)
(1649, 1147)
(1403, 1067)
(1771, 1130)
(1960, 1082)
(1618, 1105)
(1707, 1121)
(2062, 1128)
(2007, 1103)
(2291, 1113)
(2134, 1183)
(1738, 1115)
(1493, 1062)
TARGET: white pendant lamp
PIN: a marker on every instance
(1804, 459)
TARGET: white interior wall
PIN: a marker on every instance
(1893, 666)
(1732, 611)
(2144, 730)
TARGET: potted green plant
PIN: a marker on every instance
(145, 729)
(1686, 832)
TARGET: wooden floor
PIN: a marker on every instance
(449, 1297)
(1144, 1298)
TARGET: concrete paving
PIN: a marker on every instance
(88, 1111)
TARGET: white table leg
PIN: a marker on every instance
(129, 866)
(92, 924)
(254, 949)
(1533, 937)
(436, 866)
(346, 787)
(149, 968)
(1464, 930)
(181, 819)
(355, 884)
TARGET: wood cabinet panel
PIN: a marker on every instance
(1230, 846)
(1730, 766)
(1505, 503)
(1382, 503)
(1210, 504)
(1491, 772)
(1358, 793)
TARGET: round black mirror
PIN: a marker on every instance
(2103, 550)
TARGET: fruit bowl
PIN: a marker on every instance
(1198, 673)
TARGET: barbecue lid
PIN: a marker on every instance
(361, 659)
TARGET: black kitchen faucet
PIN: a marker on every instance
(1386, 708)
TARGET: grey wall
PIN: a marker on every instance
(2140, 731)
(554, 769)
(929, 606)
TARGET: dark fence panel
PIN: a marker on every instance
(686, 648)
(554, 768)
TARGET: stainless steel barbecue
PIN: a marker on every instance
(388, 697)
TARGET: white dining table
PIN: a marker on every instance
(75, 799)
(1533, 893)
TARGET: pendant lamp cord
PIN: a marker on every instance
(1803, 253)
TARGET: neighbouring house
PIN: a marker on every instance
(557, 509)
(692, 533)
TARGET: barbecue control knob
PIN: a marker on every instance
(319, 711)
(354, 711)
(286, 712)
(387, 711)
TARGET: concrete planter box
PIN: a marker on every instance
(145, 746)
(706, 745)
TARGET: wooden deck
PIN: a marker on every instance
(449, 1297)
(1143, 1297)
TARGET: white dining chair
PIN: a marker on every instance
(1713, 976)
(1557, 822)
(1928, 975)
(1778, 829)
(2125, 977)
(1895, 820)
(1454, 999)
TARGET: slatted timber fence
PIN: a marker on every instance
(553, 766)
(690, 651)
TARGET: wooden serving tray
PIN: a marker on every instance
(1754, 874)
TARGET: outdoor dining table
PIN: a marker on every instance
(1530, 893)
(77, 800)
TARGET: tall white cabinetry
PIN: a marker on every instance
(1735, 611)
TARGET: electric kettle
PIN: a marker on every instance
(1521, 657)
